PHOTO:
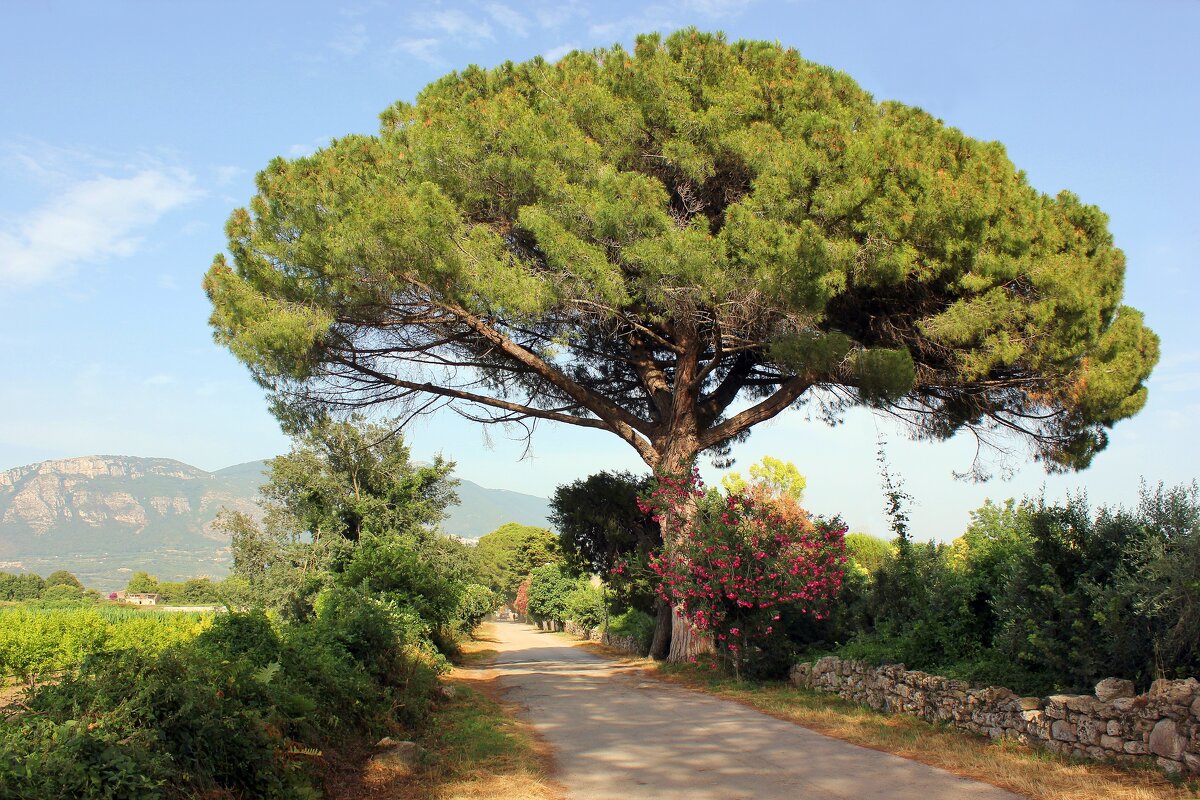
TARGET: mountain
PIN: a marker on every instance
(105, 517)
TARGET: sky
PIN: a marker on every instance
(130, 130)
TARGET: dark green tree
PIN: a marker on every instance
(673, 245)
(599, 525)
(60, 577)
(21, 586)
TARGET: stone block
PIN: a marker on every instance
(1165, 740)
(1123, 705)
(1110, 689)
(1062, 730)
(1081, 703)
(1174, 692)
(801, 675)
(1135, 748)
(1030, 703)
(1170, 766)
(1113, 728)
(1112, 743)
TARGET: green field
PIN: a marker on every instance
(41, 642)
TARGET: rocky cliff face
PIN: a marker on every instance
(103, 517)
(106, 516)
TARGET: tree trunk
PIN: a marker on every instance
(678, 459)
(660, 646)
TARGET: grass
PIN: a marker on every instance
(1029, 772)
(475, 748)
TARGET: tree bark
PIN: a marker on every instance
(660, 646)
(678, 457)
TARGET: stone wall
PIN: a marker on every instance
(626, 644)
(1163, 724)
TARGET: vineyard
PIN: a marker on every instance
(36, 643)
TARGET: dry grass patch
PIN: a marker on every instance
(1032, 773)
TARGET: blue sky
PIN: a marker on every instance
(131, 129)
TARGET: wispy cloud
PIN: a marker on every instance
(351, 41)
(226, 175)
(665, 18)
(555, 53)
(421, 49)
(651, 18)
(88, 222)
(507, 18)
(715, 9)
(464, 28)
(161, 379)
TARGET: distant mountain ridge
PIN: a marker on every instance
(104, 517)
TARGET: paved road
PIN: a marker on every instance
(618, 735)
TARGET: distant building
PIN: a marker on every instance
(141, 599)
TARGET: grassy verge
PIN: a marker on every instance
(475, 747)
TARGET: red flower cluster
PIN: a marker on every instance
(731, 563)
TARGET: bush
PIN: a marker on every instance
(637, 624)
(585, 605)
(176, 725)
(476, 602)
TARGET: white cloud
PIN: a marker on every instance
(227, 174)
(458, 24)
(555, 53)
(307, 148)
(351, 41)
(508, 19)
(715, 9)
(651, 18)
(89, 222)
(161, 379)
(421, 49)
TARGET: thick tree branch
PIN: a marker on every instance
(788, 393)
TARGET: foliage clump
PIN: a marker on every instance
(1039, 597)
(740, 558)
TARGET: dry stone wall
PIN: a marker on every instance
(626, 644)
(1114, 722)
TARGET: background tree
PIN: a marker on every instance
(673, 245)
(21, 586)
(506, 555)
(869, 552)
(60, 577)
(600, 526)
(142, 583)
(550, 588)
(345, 504)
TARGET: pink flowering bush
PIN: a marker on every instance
(734, 561)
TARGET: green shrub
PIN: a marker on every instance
(183, 721)
(476, 602)
(635, 623)
(585, 605)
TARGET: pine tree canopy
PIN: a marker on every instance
(674, 244)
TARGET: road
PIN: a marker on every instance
(619, 735)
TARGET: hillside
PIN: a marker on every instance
(104, 517)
